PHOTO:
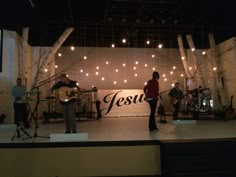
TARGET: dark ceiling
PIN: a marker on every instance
(99, 23)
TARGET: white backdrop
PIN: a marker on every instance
(127, 102)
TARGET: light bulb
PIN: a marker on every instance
(182, 58)
(46, 70)
(174, 67)
(115, 82)
(103, 78)
(117, 70)
(72, 48)
(123, 40)
(193, 49)
(145, 65)
(125, 81)
(85, 57)
(203, 52)
(134, 68)
(124, 64)
(59, 54)
(107, 62)
(113, 45)
(148, 42)
(56, 66)
(153, 56)
(81, 70)
(160, 46)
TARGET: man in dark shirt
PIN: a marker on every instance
(176, 96)
(67, 95)
(151, 91)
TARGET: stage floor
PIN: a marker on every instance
(130, 129)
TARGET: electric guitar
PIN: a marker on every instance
(68, 93)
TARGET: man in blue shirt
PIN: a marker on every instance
(20, 109)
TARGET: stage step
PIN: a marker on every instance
(70, 137)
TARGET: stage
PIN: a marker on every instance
(130, 129)
(123, 146)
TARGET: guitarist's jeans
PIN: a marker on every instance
(152, 117)
(69, 116)
(176, 111)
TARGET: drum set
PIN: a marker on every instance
(199, 100)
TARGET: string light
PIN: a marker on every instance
(204, 52)
(153, 69)
(103, 78)
(190, 68)
(46, 70)
(136, 62)
(112, 45)
(125, 81)
(117, 70)
(172, 85)
(124, 64)
(77, 83)
(85, 57)
(56, 66)
(215, 68)
(165, 79)
(153, 56)
(134, 68)
(115, 82)
(145, 83)
(182, 75)
(148, 42)
(96, 73)
(123, 40)
(164, 75)
(136, 75)
(72, 48)
(145, 65)
(59, 54)
(192, 49)
(67, 75)
(87, 74)
(182, 58)
(97, 67)
(171, 72)
(174, 67)
(160, 46)
(81, 70)
(107, 62)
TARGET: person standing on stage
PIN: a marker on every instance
(151, 91)
(20, 109)
(176, 96)
(68, 104)
(97, 102)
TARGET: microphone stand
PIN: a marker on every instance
(34, 114)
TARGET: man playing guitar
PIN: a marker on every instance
(176, 96)
(67, 94)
